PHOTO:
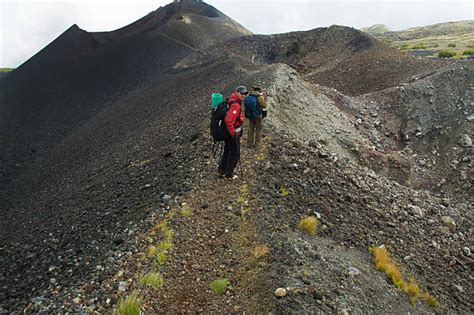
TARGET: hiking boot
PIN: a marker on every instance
(220, 172)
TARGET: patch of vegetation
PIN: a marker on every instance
(152, 279)
(161, 258)
(219, 286)
(446, 54)
(384, 263)
(151, 251)
(185, 210)
(404, 46)
(429, 299)
(283, 192)
(468, 52)
(129, 306)
(412, 289)
(260, 251)
(309, 225)
(452, 45)
(164, 246)
(419, 46)
(4, 70)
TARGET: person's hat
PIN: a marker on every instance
(242, 89)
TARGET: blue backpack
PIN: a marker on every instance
(252, 107)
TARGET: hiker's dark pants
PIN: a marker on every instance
(230, 157)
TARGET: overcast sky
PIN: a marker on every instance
(27, 26)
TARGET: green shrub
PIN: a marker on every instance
(129, 306)
(452, 45)
(446, 54)
(218, 286)
(5, 69)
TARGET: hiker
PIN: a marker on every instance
(234, 120)
(255, 104)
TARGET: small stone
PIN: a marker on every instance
(306, 170)
(422, 162)
(280, 292)
(465, 141)
(448, 222)
(415, 210)
(122, 287)
(166, 198)
(459, 288)
(77, 301)
(467, 251)
(354, 271)
(52, 280)
(108, 301)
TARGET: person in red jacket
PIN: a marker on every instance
(234, 121)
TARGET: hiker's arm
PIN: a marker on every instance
(231, 117)
(262, 101)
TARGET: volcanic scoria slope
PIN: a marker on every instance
(107, 174)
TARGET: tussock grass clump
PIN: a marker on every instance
(429, 299)
(151, 251)
(161, 258)
(152, 279)
(412, 289)
(165, 246)
(309, 225)
(218, 286)
(384, 263)
(129, 306)
(260, 251)
(185, 210)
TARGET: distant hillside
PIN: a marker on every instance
(376, 29)
(456, 37)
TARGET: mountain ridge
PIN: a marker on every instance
(103, 151)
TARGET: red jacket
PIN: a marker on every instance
(234, 118)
